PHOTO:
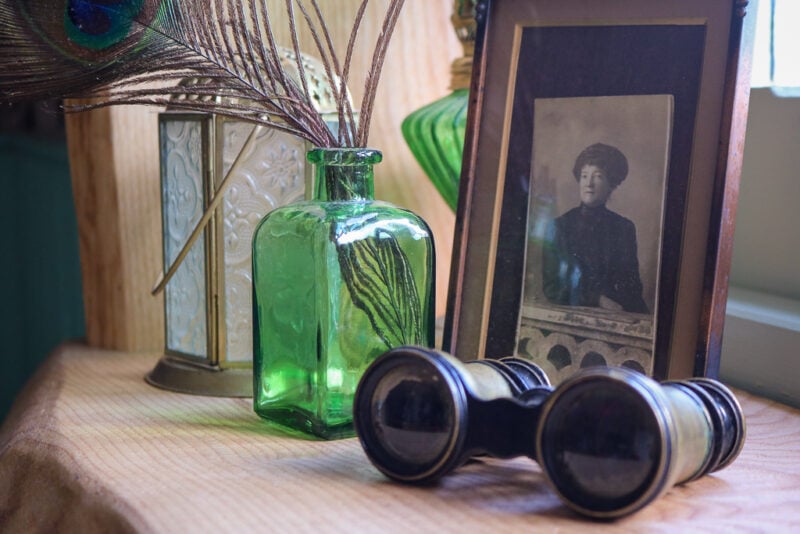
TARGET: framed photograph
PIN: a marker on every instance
(599, 184)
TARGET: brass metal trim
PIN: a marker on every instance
(182, 376)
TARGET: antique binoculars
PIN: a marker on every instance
(609, 440)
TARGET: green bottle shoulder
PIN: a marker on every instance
(312, 213)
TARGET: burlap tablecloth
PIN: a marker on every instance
(90, 447)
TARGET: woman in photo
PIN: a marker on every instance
(590, 254)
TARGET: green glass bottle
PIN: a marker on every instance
(337, 281)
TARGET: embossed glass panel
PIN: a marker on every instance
(182, 196)
(271, 175)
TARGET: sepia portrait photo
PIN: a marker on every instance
(594, 230)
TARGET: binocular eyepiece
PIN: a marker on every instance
(609, 440)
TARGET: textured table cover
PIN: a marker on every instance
(91, 447)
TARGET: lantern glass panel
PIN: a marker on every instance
(183, 198)
(272, 174)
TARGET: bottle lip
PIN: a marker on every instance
(344, 156)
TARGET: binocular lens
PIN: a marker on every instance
(413, 413)
(406, 415)
(599, 445)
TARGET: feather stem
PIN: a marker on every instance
(375, 71)
(209, 211)
(345, 137)
(343, 102)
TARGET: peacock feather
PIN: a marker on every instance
(100, 25)
(139, 51)
(48, 47)
(379, 278)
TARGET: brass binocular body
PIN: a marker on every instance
(609, 440)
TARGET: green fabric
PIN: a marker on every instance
(40, 281)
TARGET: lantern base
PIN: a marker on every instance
(197, 379)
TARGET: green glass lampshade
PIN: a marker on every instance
(435, 135)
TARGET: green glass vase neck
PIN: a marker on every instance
(344, 173)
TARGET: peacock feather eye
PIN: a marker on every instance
(100, 24)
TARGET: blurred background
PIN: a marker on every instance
(40, 280)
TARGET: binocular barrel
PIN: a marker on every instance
(609, 440)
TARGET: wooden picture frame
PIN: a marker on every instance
(665, 84)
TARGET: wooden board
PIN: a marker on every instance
(115, 181)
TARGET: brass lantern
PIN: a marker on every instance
(208, 298)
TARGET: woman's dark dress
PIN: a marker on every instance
(590, 252)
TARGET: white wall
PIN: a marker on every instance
(766, 254)
(761, 345)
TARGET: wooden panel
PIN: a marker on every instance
(115, 170)
(114, 165)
